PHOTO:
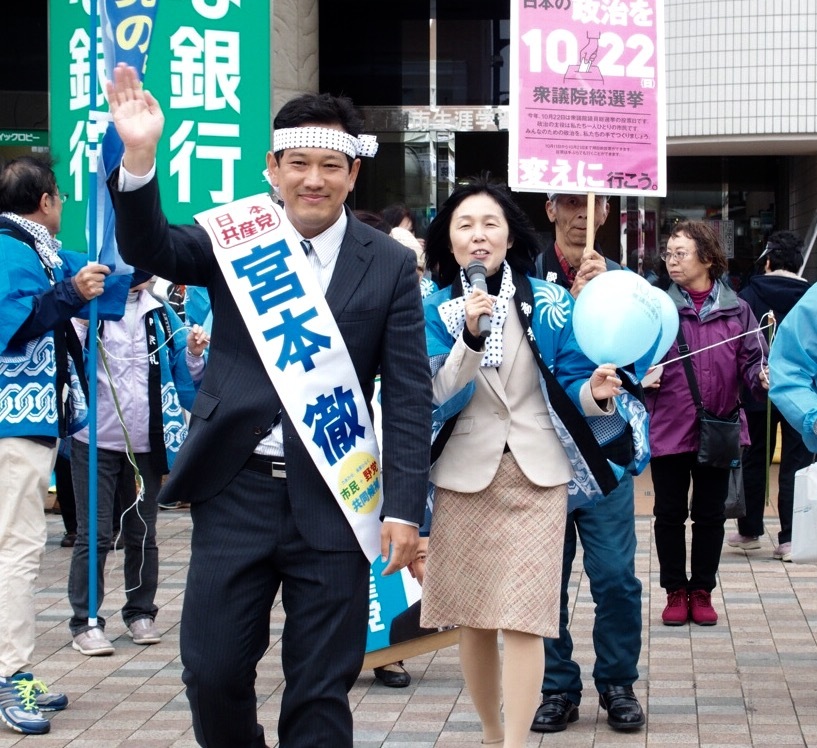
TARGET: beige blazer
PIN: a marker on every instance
(508, 407)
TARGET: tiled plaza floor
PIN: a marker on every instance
(749, 681)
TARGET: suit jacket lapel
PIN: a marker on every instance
(512, 338)
(355, 256)
(491, 377)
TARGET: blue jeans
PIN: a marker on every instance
(607, 534)
(115, 475)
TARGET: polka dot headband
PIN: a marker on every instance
(324, 137)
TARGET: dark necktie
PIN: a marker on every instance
(307, 246)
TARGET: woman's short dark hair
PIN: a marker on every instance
(395, 213)
(319, 109)
(521, 254)
(23, 182)
(374, 220)
(707, 245)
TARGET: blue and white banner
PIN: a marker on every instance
(126, 34)
(303, 353)
(389, 597)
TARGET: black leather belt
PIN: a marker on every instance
(273, 466)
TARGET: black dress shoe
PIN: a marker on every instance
(555, 713)
(69, 540)
(622, 707)
(397, 678)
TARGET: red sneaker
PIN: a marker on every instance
(700, 608)
(677, 611)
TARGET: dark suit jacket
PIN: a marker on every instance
(375, 299)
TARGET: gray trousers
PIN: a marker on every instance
(115, 475)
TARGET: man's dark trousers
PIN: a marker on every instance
(245, 545)
(794, 455)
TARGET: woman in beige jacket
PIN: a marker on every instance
(495, 552)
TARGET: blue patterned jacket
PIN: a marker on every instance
(30, 301)
(554, 337)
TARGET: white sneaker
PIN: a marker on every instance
(93, 643)
(745, 542)
(144, 631)
(782, 552)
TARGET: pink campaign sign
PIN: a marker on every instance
(588, 111)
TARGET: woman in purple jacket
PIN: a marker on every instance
(710, 314)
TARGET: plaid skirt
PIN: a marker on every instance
(495, 557)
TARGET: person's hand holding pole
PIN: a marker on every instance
(592, 263)
(89, 280)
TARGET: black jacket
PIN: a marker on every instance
(776, 293)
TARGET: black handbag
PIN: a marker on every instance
(720, 439)
(720, 435)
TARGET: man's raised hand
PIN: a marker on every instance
(592, 264)
(138, 119)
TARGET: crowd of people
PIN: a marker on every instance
(486, 396)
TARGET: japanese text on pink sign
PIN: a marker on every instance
(587, 97)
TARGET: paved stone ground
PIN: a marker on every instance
(749, 681)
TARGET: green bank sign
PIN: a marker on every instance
(208, 65)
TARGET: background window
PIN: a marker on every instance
(372, 55)
(473, 40)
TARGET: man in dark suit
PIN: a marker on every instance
(263, 517)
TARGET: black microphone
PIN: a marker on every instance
(476, 277)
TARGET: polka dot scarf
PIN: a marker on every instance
(452, 313)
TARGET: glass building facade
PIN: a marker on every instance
(432, 79)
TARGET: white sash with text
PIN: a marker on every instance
(303, 353)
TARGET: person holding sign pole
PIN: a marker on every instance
(324, 301)
(513, 391)
(146, 373)
(606, 530)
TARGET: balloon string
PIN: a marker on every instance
(773, 325)
(720, 342)
(767, 494)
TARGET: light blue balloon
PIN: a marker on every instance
(669, 324)
(617, 318)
